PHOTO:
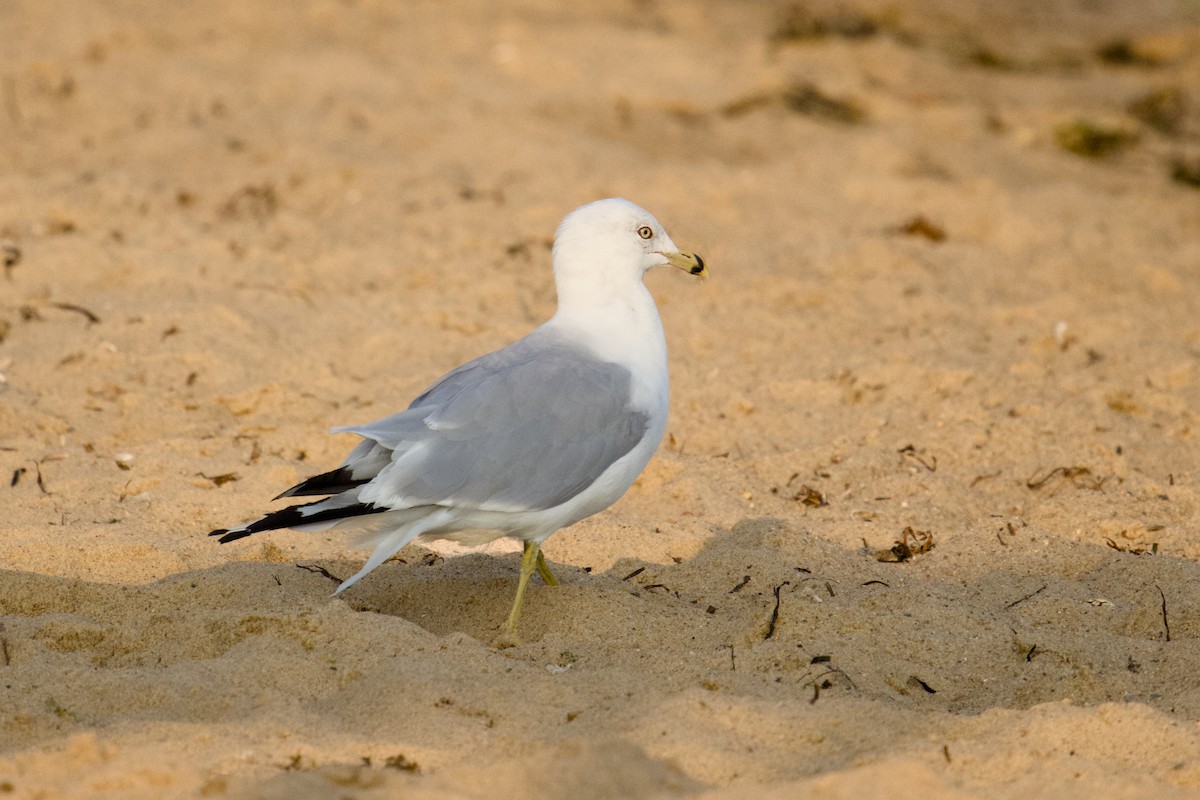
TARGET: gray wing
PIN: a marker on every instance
(524, 428)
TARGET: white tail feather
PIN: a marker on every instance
(388, 544)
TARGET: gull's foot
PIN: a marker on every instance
(531, 561)
(505, 640)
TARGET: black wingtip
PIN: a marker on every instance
(292, 516)
(327, 483)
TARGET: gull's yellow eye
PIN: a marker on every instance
(645, 232)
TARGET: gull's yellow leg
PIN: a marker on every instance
(529, 562)
(544, 569)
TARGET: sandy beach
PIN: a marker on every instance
(926, 520)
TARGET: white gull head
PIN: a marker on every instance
(603, 249)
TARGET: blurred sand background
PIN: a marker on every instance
(955, 257)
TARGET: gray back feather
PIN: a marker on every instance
(524, 428)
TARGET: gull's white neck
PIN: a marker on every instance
(622, 328)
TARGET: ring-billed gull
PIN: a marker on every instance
(526, 440)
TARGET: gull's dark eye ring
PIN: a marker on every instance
(646, 232)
